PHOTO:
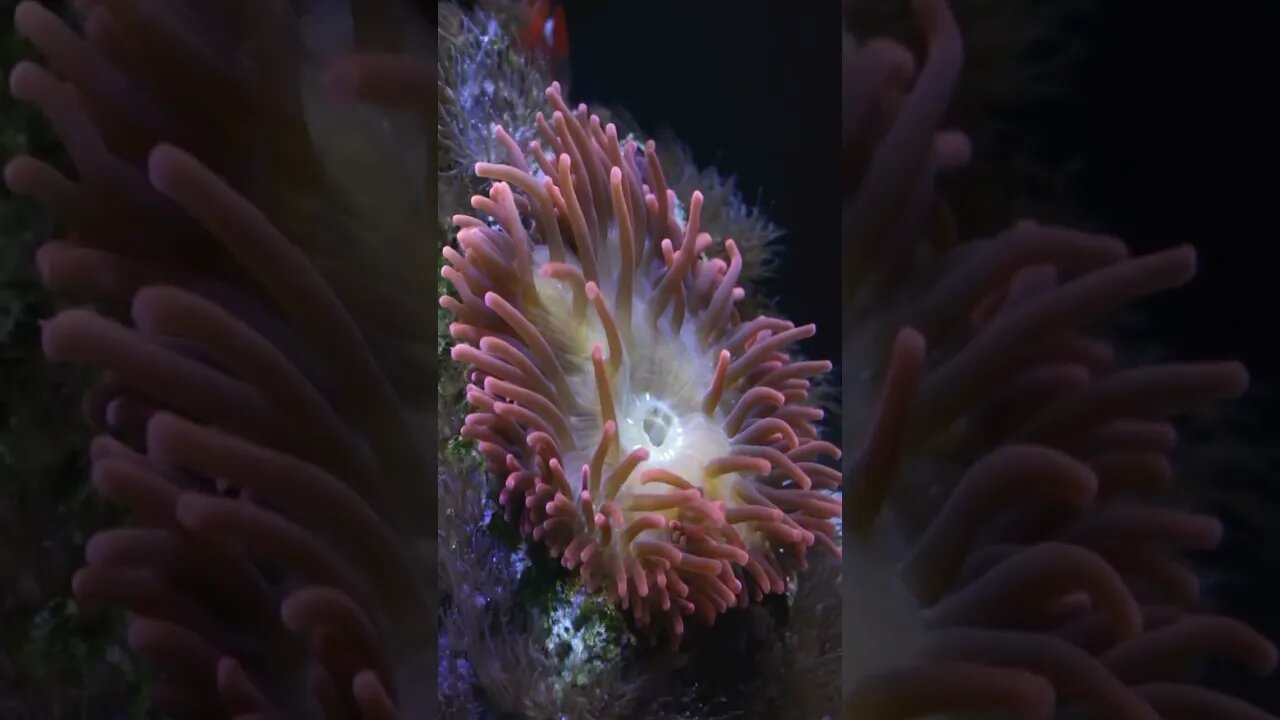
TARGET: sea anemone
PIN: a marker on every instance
(648, 435)
(262, 350)
(1011, 546)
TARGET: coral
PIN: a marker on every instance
(505, 622)
(483, 81)
(1011, 545)
(484, 643)
(678, 470)
(726, 215)
(582, 635)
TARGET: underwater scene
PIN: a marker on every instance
(918, 370)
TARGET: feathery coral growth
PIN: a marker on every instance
(648, 435)
(261, 344)
(724, 210)
(1008, 550)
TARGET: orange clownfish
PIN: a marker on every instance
(545, 31)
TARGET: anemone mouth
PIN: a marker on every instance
(653, 438)
(657, 423)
